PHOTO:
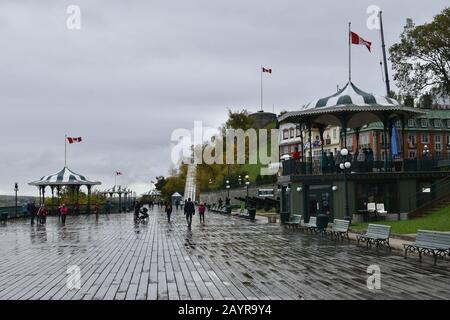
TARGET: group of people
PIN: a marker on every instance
(189, 211)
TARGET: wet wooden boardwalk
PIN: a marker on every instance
(228, 258)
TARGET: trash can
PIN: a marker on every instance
(252, 213)
(322, 222)
(228, 209)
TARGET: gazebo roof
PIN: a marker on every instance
(363, 107)
(63, 178)
(176, 194)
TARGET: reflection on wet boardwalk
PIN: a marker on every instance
(227, 259)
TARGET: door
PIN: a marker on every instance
(319, 199)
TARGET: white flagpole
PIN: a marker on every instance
(349, 52)
(65, 150)
(261, 70)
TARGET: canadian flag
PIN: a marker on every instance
(266, 70)
(118, 173)
(72, 139)
(358, 40)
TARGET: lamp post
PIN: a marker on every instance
(345, 165)
(247, 184)
(426, 151)
(16, 188)
(240, 180)
(228, 188)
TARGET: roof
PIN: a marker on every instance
(359, 107)
(176, 194)
(64, 177)
(351, 95)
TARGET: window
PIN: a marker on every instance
(297, 131)
(285, 134)
(438, 154)
(437, 141)
(412, 154)
(425, 138)
(411, 122)
(437, 123)
(412, 140)
(424, 123)
(364, 138)
(335, 133)
(349, 142)
(291, 133)
(448, 123)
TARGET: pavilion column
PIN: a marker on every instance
(52, 188)
(404, 139)
(357, 130)
(40, 192)
(89, 199)
(391, 157)
(310, 147)
(322, 156)
(43, 195)
(385, 125)
(302, 143)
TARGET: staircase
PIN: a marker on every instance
(433, 205)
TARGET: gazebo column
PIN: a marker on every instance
(40, 192)
(385, 125)
(322, 156)
(89, 199)
(302, 147)
(404, 140)
(310, 147)
(391, 156)
(357, 130)
(43, 195)
(52, 188)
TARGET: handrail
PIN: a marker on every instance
(443, 183)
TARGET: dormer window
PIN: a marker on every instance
(423, 123)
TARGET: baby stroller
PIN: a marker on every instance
(144, 215)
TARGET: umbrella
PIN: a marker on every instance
(394, 146)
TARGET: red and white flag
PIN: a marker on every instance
(266, 70)
(73, 139)
(356, 39)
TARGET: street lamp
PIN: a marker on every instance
(228, 188)
(240, 179)
(247, 184)
(426, 151)
(344, 166)
(16, 188)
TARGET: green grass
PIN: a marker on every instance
(438, 221)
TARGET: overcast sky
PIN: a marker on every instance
(137, 70)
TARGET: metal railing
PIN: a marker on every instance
(319, 166)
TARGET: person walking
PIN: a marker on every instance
(168, 210)
(97, 210)
(42, 214)
(137, 209)
(189, 211)
(201, 212)
(31, 208)
(108, 207)
(63, 212)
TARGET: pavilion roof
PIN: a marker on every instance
(363, 108)
(64, 177)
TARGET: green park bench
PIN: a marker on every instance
(295, 221)
(377, 234)
(339, 229)
(429, 242)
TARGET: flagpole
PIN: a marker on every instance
(115, 179)
(383, 46)
(65, 150)
(349, 53)
(261, 88)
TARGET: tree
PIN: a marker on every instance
(421, 60)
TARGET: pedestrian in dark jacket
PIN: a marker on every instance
(168, 210)
(32, 210)
(189, 211)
